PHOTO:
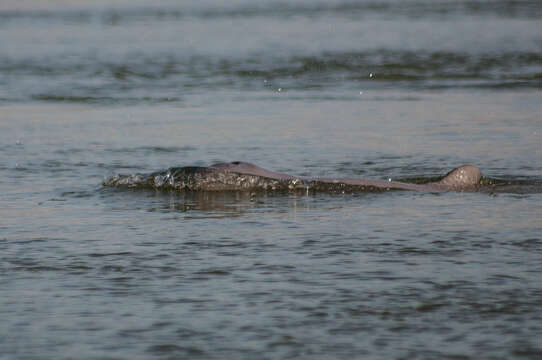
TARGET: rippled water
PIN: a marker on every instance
(377, 89)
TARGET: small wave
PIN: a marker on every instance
(369, 66)
(168, 78)
(103, 100)
(152, 149)
(162, 12)
(123, 253)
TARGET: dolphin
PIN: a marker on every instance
(462, 178)
(244, 176)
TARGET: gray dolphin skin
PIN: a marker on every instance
(243, 176)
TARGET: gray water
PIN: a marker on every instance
(377, 89)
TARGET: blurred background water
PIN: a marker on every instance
(379, 89)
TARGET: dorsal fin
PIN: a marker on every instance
(463, 177)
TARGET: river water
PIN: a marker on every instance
(394, 89)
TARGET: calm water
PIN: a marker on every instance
(380, 89)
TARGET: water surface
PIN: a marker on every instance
(378, 89)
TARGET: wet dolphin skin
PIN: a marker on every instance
(243, 176)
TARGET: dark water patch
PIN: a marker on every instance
(115, 16)
(175, 350)
(527, 350)
(199, 211)
(513, 185)
(273, 268)
(431, 306)
(452, 285)
(20, 168)
(361, 9)
(33, 240)
(50, 165)
(169, 149)
(495, 310)
(105, 100)
(72, 151)
(532, 244)
(37, 268)
(33, 265)
(166, 78)
(118, 165)
(413, 251)
(134, 332)
(54, 200)
(149, 150)
(182, 300)
(122, 281)
(213, 272)
(112, 268)
(78, 268)
(422, 68)
(77, 194)
(502, 279)
(99, 255)
(71, 98)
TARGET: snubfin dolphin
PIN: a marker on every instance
(243, 176)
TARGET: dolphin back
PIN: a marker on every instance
(463, 178)
(243, 176)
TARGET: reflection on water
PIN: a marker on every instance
(200, 205)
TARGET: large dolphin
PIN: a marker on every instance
(243, 176)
